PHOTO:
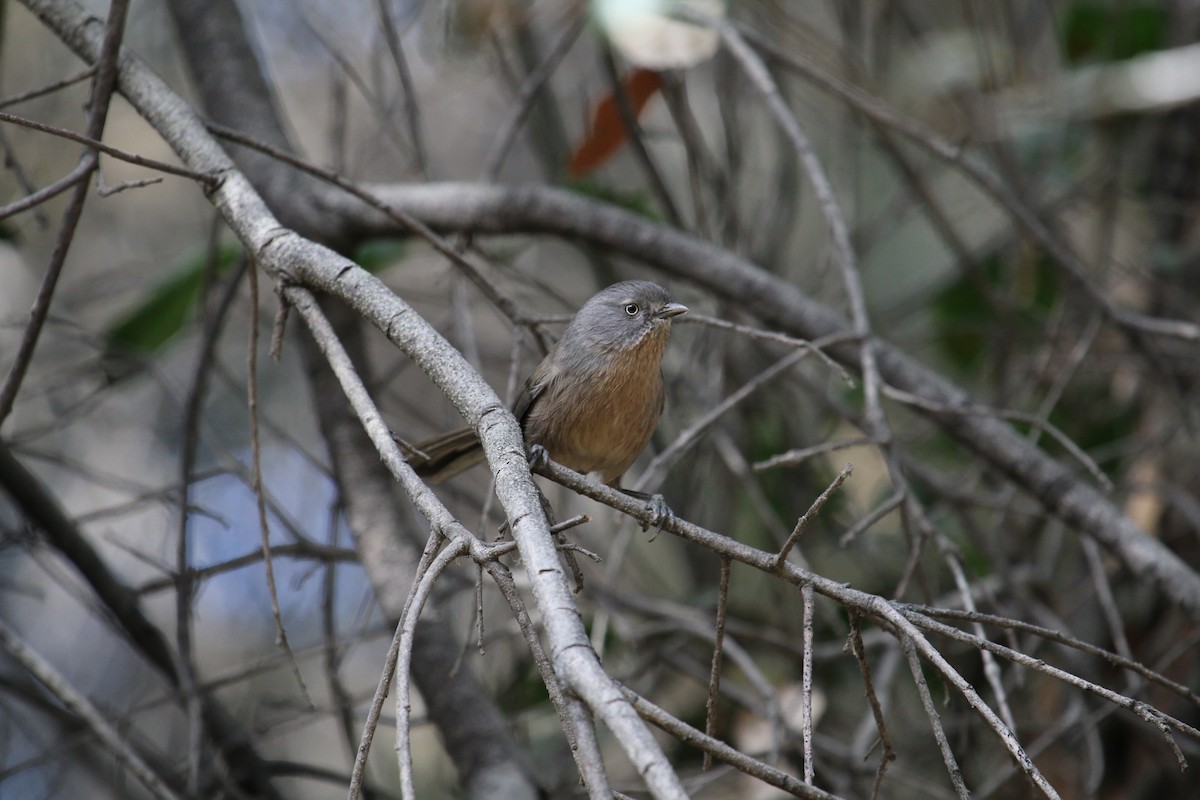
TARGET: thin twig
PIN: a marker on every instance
(756, 71)
(662, 462)
(49, 88)
(299, 550)
(1017, 416)
(80, 172)
(185, 580)
(813, 510)
(1026, 217)
(637, 140)
(412, 112)
(714, 680)
(817, 348)
(935, 719)
(105, 190)
(523, 103)
(264, 528)
(82, 707)
(799, 455)
(869, 604)
(879, 512)
(413, 606)
(750, 766)
(439, 243)
(1058, 637)
(103, 86)
(860, 655)
(1147, 713)
(375, 710)
(13, 164)
(94, 143)
(806, 683)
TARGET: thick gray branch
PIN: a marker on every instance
(526, 209)
(471, 725)
(290, 257)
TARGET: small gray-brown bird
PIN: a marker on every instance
(595, 399)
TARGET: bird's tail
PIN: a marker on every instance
(447, 455)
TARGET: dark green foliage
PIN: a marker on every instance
(168, 307)
(967, 311)
(1112, 31)
(378, 254)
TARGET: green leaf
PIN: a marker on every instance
(379, 254)
(1107, 32)
(164, 311)
(961, 314)
(965, 313)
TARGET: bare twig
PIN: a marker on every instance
(813, 510)
(13, 164)
(79, 705)
(816, 348)
(412, 111)
(1035, 420)
(80, 172)
(439, 243)
(49, 88)
(751, 766)
(421, 589)
(714, 680)
(806, 683)
(1021, 213)
(879, 512)
(637, 140)
(385, 680)
(103, 86)
(871, 605)
(1058, 637)
(94, 143)
(523, 103)
(888, 755)
(801, 454)
(935, 720)
(260, 502)
(662, 462)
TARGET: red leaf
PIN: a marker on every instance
(608, 132)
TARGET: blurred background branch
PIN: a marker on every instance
(1014, 190)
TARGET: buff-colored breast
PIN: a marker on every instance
(601, 422)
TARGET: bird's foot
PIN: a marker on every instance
(660, 514)
(538, 456)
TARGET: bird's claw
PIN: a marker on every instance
(660, 513)
(538, 456)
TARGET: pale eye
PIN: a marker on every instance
(632, 309)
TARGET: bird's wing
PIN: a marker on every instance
(533, 389)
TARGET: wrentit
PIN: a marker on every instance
(594, 401)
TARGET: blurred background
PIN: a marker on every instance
(1085, 112)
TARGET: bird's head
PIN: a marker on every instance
(624, 316)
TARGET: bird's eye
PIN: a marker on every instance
(632, 309)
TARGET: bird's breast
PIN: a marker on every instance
(601, 419)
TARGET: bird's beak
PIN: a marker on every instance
(671, 310)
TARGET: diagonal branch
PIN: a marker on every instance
(43, 510)
(524, 209)
(78, 704)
